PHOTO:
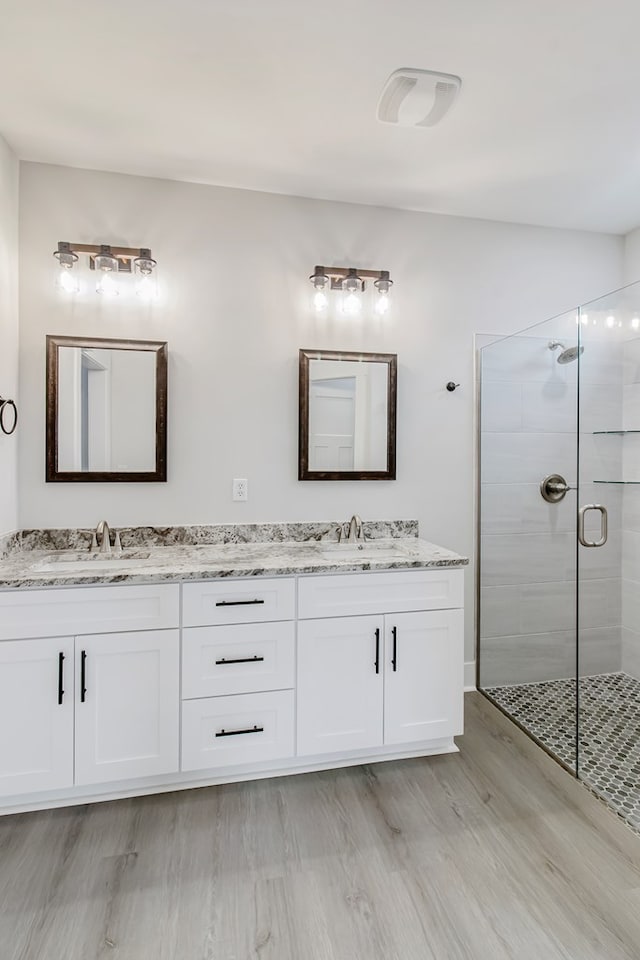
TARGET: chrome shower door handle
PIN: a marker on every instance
(604, 525)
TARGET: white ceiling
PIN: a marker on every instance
(280, 95)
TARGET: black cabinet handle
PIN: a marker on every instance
(377, 663)
(224, 661)
(237, 603)
(83, 676)
(239, 733)
(394, 658)
(60, 677)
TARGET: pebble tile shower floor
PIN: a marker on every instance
(609, 748)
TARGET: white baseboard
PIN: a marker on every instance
(470, 676)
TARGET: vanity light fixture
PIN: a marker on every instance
(109, 261)
(350, 284)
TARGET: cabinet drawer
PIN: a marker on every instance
(237, 601)
(219, 732)
(242, 658)
(355, 594)
(62, 611)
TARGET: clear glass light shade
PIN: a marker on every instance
(68, 280)
(382, 303)
(107, 285)
(146, 288)
(352, 304)
(352, 294)
(320, 301)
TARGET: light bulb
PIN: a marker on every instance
(352, 304)
(320, 301)
(352, 287)
(146, 289)
(585, 318)
(635, 322)
(610, 321)
(382, 304)
(68, 282)
(107, 286)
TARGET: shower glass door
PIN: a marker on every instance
(609, 550)
(528, 609)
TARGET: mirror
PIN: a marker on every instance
(106, 410)
(347, 416)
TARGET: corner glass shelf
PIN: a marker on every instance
(620, 482)
(618, 433)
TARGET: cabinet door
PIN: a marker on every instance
(424, 676)
(36, 715)
(127, 705)
(340, 685)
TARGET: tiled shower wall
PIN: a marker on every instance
(528, 546)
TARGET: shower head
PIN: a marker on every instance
(567, 355)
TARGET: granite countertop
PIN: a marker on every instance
(141, 564)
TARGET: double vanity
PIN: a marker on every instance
(204, 655)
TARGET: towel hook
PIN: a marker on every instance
(3, 407)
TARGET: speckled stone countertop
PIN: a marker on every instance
(247, 557)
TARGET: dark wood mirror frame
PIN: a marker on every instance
(304, 473)
(53, 475)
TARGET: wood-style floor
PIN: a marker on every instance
(493, 854)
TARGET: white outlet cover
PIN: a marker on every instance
(240, 489)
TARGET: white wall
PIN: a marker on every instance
(631, 271)
(234, 266)
(8, 331)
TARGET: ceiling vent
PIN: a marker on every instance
(417, 98)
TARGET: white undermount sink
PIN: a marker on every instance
(97, 562)
(369, 550)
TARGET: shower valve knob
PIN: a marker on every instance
(451, 386)
(554, 488)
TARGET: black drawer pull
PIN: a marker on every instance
(83, 676)
(394, 658)
(377, 660)
(224, 661)
(238, 733)
(60, 678)
(237, 603)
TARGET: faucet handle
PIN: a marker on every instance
(94, 543)
(117, 546)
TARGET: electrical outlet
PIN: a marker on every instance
(240, 489)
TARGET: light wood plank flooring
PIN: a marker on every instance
(492, 854)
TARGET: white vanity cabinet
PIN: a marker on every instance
(119, 690)
(340, 684)
(423, 676)
(238, 656)
(99, 705)
(384, 680)
(36, 715)
(126, 718)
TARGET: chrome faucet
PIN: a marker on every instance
(103, 537)
(356, 530)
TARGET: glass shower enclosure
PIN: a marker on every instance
(559, 539)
